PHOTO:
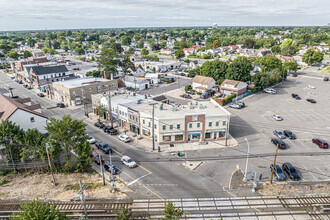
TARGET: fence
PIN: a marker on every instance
(241, 96)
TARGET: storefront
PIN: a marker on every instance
(134, 128)
(146, 132)
(215, 134)
(178, 136)
(194, 136)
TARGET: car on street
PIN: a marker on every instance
(279, 134)
(294, 75)
(278, 172)
(289, 134)
(128, 161)
(278, 142)
(99, 124)
(103, 147)
(277, 117)
(111, 168)
(41, 94)
(311, 100)
(110, 130)
(96, 158)
(270, 91)
(60, 105)
(311, 86)
(124, 138)
(296, 96)
(290, 171)
(242, 104)
(8, 87)
(25, 85)
(20, 81)
(190, 92)
(326, 78)
(75, 69)
(321, 143)
(234, 105)
(91, 140)
(29, 87)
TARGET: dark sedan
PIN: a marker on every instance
(278, 142)
(289, 134)
(40, 95)
(311, 100)
(296, 96)
(291, 172)
(99, 124)
(278, 172)
(103, 147)
(60, 105)
(320, 143)
(111, 168)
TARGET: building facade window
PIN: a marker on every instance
(171, 127)
(224, 123)
(90, 90)
(99, 88)
(164, 127)
(179, 137)
(198, 125)
(210, 124)
(82, 92)
(143, 121)
(32, 119)
(178, 126)
(155, 126)
(190, 125)
(74, 94)
(149, 124)
(208, 135)
(106, 87)
(166, 138)
(217, 123)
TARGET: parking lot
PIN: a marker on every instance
(306, 120)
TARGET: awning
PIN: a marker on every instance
(147, 130)
(194, 132)
(210, 131)
(170, 134)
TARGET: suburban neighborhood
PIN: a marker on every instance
(187, 122)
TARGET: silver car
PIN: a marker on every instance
(270, 91)
(279, 134)
(234, 105)
(277, 117)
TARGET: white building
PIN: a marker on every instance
(202, 83)
(136, 83)
(153, 78)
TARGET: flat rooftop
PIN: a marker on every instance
(79, 82)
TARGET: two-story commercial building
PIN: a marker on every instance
(78, 91)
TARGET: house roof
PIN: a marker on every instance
(230, 84)
(189, 49)
(202, 79)
(160, 98)
(9, 106)
(41, 70)
(80, 82)
(133, 79)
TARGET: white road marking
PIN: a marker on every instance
(134, 181)
(310, 173)
(312, 77)
(321, 172)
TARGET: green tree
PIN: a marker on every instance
(216, 44)
(79, 51)
(179, 54)
(144, 52)
(126, 40)
(290, 66)
(288, 42)
(38, 211)
(172, 213)
(11, 136)
(100, 110)
(13, 45)
(56, 45)
(239, 69)
(33, 143)
(249, 43)
(312, 56)
(269, 63)
(288, 50)
(27, 54)
(107, 62)
(124, 214)
(276, 49)
(13, 54)
(94, 73)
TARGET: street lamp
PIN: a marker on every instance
(247, 160)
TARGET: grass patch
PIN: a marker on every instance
(3, 181)
(325, 70)
(82, 58)
(76, 186)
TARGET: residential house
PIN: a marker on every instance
(19, 64)
(139, 72)
(232, 86)
(78, 91)
(39, 45)
(202, 83)
(153, 78)
(136, 83)
(189, 51)
(265, 52)
(23, 113)
(167, 51)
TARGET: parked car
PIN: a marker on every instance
(294, 75)
(242, 104)
(111, 168)
(60, 105)
(40, 94)
(296, 96)
(278, 172)
(99, 124)
(278, 142)
(103, 147)
(96, 158)
(190, 92)
(186, 96)
(289, 169)
(29, 87)
(124, 138)
(311, 86)
(8, 87)
(279, 134)
(277, 117)
(311, 100)
(270, 91)
(91, 140)
(234, 105)
(320, 143)
(20, 81)
(326, 78)
(25, 85)
(204, 96)
(75, 69)
(128, 161)
(289, 134)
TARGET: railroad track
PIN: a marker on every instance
(73, 209)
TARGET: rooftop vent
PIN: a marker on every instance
(174, 108)
(201, 106)
(191, 107)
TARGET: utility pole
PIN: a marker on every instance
(102, 171)
(227, 131)
(82, 197)
(247, 159)
(109, 108)
(153, 125)
(50, 165)
(271, 178)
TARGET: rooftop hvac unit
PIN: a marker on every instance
(174, 109)
(191, 107)
(161, 107)
(196, 103)
(201, 106)
(138, 101)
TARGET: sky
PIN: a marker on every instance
(76, 14)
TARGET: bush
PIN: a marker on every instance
(3, 181)
(199, 93)
(187, 87)
(228, 99)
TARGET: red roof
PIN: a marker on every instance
(196, 46)
(189, 49)
(233, 46)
